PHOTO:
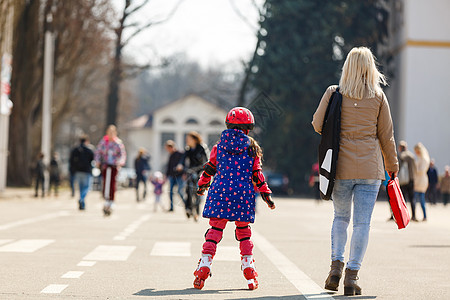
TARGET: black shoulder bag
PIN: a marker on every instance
(329, 145)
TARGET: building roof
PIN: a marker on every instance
(146, 120)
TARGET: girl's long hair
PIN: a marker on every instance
(196, 136)
(255, 148)
(360, 75)
(423, 152)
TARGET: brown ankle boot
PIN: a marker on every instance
(351, 286)
(334, 276)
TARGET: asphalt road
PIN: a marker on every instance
(49, 249)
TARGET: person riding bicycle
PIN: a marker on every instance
(197, 157)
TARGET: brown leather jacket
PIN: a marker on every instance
(367, 136)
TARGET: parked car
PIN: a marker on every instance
(278, 183)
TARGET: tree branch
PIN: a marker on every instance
(128, 13)
(145, 26)
(242, 17)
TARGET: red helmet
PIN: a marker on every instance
(240, 117)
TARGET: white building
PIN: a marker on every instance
(419, 94)
(173, 122)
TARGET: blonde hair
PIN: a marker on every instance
(420, 148)
(360, 74)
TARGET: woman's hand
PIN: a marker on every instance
(179, 167)
(393, 174)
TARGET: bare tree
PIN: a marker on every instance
(249, 65)
(81, 44)
(117, 74)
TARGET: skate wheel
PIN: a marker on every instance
(252, 284)
(199, 283)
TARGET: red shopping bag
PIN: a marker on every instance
(398, 204)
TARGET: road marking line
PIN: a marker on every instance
(171, 249)
(33, 220)
(306, 286)
(85, 263)
(130, 229)
(54, 288)
(73, 274)
(5, 241)
(227, 253)
(25, 246)
(110, 253)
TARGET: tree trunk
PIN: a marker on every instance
(25, 91)
(20, 157)
(247, 74)
(113, 94)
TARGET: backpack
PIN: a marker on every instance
(329, 145)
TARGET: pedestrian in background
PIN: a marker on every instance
(314, 181)
(158, 182)
(71, 180)
(39, 172)
(367, 136)
(433, 180)
(421, 177)
(142, 167)
(55, 176)
(406, 175)
(174, 176)
(192, 162)
(81, 159)
(445, 186)
(110, 157)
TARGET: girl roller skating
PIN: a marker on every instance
(235, 164)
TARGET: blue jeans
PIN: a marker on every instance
(363, 193)
(179, 182)
(421, 198)
(84, 182)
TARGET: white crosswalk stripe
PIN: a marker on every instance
(110, 253)
(227, 253)
(34, 220)
(171, 249)
(85, 263)
(73, 274)
(25, 246)
(54, 289)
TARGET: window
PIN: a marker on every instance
(191, 121)
(168, 121)
(165, 136)
(215, 123)
(213, 138)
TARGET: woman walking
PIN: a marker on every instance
(421, 177)
(366, 137)
(192, 163)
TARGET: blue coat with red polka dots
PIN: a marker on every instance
(232, 195)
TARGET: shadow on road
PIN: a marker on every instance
(430, 246)
(187, 291)
(291, 297)
(353, 297)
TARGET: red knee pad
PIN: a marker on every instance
(213, 236)
(243, 233)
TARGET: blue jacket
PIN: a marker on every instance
(232, 195)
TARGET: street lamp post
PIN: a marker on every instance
(47, 96)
